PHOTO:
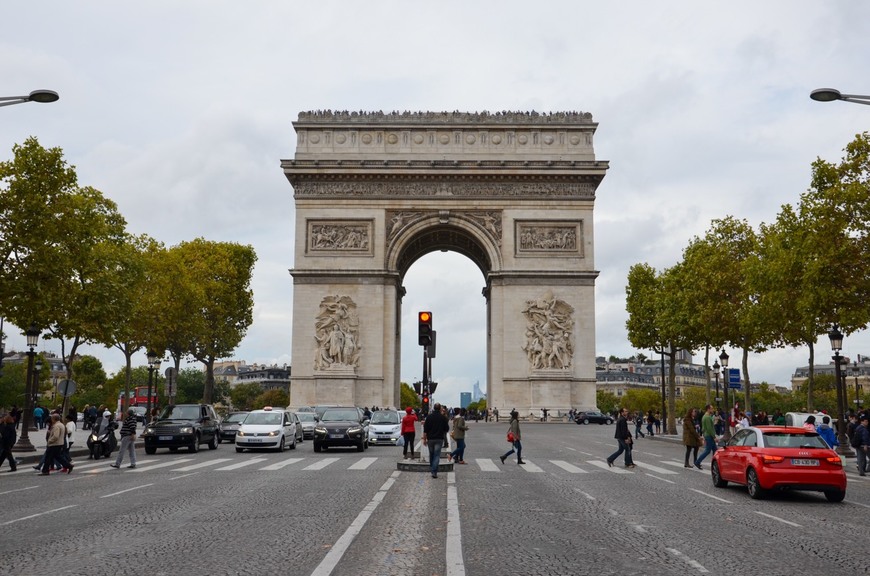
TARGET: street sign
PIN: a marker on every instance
(171, 375)
(734, 378)
(66, 388)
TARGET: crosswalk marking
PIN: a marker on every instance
(104, 466)
(238, 465)
(486, 465)
(654, 468)
(568, 467)
(603, 465)
(321, 464)
(529, 466)
(362, 464)
(681, 465)
(279, 465)
(201, 465)
(162, 464)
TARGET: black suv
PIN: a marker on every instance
(183, 425)
(342, 426)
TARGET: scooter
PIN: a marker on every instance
(101, 444)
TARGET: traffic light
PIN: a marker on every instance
(424, 328)
(425, 406)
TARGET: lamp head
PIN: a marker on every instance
(825, 95)
(724, 358)
(836, 338)
(43, 96)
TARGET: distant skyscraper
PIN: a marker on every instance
(477, 394)
(464, 399)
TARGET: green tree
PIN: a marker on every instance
(606, 401)
(12, 385)
(407, 397)
(642, 399)
(90, 381)
(189, 387)
(244, 395)
(275, 397)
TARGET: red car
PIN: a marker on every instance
(766, 458)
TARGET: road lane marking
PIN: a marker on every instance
(321, 464)
(654, 468)
(201, 464)
(455, 565)
(332, 558)
(238, 465)
(161, 465)
(586, 494)
(19, 490)
(528, 466)
(487, 465)
(683, 466)
(693, 563)
(568, 467)
(183, 475)
(603, 465)
(362, 464)
(38, 514)
(127, 490)
(104, 467)
(778, 519)
(662, 479)
(702, 493)
(280, 465)
(857, 504)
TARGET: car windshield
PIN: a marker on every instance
(385, 418)
(263, 418)
(335, 415)
(794, 440)
(180, 413)
(305, 416)
(237, 417)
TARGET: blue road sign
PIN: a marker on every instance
(734, 378)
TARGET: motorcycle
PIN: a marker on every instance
(102, 442)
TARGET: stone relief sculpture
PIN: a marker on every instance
(336, 330)
(489, 221)
(355, 237)
(396, 221)
(549, 333)
(548, 238)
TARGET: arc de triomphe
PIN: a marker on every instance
(512, 191)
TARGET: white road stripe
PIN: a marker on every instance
(321, 464)
(603, 465)
(161, 465)
(127, 490)
(238, 465)
(653, 468)
(37, 515)
(693, 563)
(362, 464)
(455, 565)
(202, 464)
(778, 519)
(568, 467)
(487, 465)
(280, 465)
(661, 479)
(529, 466)
(702, 493)
(105, 466)
(681, 465)
(18, 490)
(856, 504)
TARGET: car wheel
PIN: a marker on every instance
(586, 420)
(316, 447)
(609, 421)
(717, 477)
(240, 450)
(213, 443)
(361, 446)
(753, 486)
(293, 444)
(219, 439)
(281, 445)
(195, 446)
(149, 450)
(835, 495)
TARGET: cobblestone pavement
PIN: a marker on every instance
(345, 513)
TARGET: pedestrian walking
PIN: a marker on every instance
(7, 440)
(409, 432)
(638, 424)
(650, 422)
(495, 413)
(691, 439)
(70, 426)
(708, 431)
(861, 443)
(435, 429)
(458, 435)
(516, 443)
(623, 437)
(128, 437)
(827, 433)
(54, 448)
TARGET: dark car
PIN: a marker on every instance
(230, 425)
(341, 426)
(183, 426)
(593, 417)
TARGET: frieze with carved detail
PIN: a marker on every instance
(309, 188)
(340, 236)
(336, 331)
(561, 237)
(503, 117)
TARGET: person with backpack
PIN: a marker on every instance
(861, 443)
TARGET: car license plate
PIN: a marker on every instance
(165, 438)
(253, 440)
(804, 462)
(336, 435)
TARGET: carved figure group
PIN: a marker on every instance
(339, 237)
(549, 333)
(337, 333)
(549, 238)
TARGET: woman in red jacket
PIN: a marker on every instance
(408, 432)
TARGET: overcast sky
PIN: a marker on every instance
(181, 112)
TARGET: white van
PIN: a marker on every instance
(797, 419)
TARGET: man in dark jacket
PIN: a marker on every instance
(862, 443)
(623, 436)
(434, 433)
(7, 440)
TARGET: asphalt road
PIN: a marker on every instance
(341, 512)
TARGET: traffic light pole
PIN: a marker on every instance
(425, 384)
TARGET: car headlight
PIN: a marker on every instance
(273, 433)
(240, 432)
(354, 430)
(147, 431)
(187, 430)
(320, 430)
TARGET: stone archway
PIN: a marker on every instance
(514, 192)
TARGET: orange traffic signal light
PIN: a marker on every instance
(424, 328)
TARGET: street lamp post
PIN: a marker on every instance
(836, 338)
(855, 372)
(831, 94)
(152, 360)
(716, 376)
(723, 357)
(43, 96)
(23, 444)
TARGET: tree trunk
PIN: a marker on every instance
(748, 407)
(811, 377)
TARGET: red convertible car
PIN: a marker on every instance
(766, 458)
